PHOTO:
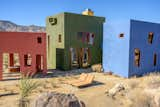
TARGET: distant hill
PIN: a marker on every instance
(10, 26)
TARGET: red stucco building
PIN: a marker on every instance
(31, 50)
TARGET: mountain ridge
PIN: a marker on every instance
(10, 26)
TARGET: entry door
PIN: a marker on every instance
(39, 62)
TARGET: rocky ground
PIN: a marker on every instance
(106, 91)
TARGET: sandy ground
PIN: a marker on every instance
(93, 96)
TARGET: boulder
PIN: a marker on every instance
(97, 68)
(117, 88)
(53, 99)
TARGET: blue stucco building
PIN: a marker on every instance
(135, 51)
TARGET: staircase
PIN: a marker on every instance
(11, 75)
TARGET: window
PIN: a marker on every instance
(137, 57)
(86, 37)
(79, 35)
(74, 56)
(59, 38)
(121, 35)
(150, 37)
(48, 43)
(39, 40)
(91, 39)
(27, 60)
(155, 59)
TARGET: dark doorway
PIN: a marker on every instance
(86, 57)
(74, 57)
(39, 63)
(80, 57)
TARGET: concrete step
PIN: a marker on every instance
(11, 76)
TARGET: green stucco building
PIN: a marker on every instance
(74, 40)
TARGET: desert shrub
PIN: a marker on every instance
(143, 101)
(133, 83)
(155, 73)
(139, 99)
(27, 85)
(153, 81)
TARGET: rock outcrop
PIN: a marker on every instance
(52, 99)
(117, 88)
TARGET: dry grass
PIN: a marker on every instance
(152, 80)
(139, 99)
(132, 96)
(133, 83)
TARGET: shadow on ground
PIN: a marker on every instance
(60, 73)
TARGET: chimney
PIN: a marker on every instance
(88, 12)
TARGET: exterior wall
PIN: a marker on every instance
(139, 39)
(1, 76)
(116, 49)
(23, 43)
(52, 43)
(58, 53)
(75, 23)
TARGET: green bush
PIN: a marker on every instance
(27, 85)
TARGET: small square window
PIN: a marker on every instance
(39, 40)
(121, 35)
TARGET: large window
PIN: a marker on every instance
(74, 56)
(86, 37)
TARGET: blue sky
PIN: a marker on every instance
(28, 12)
(117, 14)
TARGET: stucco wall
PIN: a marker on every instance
(23, 43)
(116, 50)
(139, 39)
(53, 31)
(68, 25)
(75, 23)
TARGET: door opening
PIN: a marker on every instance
(39, 63)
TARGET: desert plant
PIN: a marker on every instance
(153, 81)
(133, 83)
(139, 99)
(27, 85)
